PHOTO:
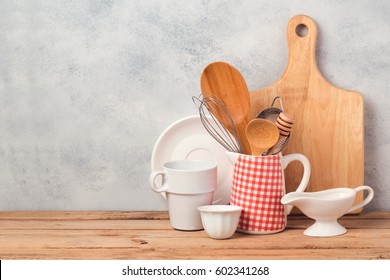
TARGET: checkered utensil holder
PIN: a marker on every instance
(258, 187)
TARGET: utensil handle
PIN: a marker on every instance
(301, 46)
(152, 181)
(306, 172)
(369, 197)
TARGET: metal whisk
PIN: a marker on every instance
(218, 122)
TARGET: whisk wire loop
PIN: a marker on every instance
(218, 122)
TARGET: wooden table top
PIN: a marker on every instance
(148, 235)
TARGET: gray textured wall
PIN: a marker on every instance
(86, 87)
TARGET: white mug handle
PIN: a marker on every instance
(152, 181)
(369, 197)
(306, 173)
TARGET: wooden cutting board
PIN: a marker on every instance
(329, 121)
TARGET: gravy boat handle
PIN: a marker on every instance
(366, 200)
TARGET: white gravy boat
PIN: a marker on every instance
(325, 207)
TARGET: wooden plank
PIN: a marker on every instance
(84, 215)
(173, 254)
(83, 225)
(131, 253)
(66, 224)
(136, 215)
(291, 239)
(148, 235)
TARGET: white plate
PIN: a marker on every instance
(188, 139)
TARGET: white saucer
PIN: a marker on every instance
(188, 139)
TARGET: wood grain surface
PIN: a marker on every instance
(224, 82)
(328, 126)
(148, 235)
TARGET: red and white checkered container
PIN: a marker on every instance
(258, 187)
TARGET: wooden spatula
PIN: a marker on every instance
(222, 81)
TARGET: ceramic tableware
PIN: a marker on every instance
(258, 186)
(325, 207)
(220, 221)
(187, 184)
(186, 138)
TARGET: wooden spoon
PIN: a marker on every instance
(262, 135)
(222, 81)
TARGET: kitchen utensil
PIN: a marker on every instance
(186, 138)
(325, 207)
(262, 135)
(329, 121)
(188, 184)
(272, 113)
(226, 134)
(258, 186)
(284, 123)
(223, 81)
(220, 221)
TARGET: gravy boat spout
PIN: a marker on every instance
(325, 207)
(297, 199)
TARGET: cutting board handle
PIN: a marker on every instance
(301, 39)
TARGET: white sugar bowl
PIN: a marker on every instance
(220, 221)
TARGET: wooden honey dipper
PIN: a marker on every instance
(284, 123)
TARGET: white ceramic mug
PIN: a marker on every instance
(188, 184)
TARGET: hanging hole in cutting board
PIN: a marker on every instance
(301, 30)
